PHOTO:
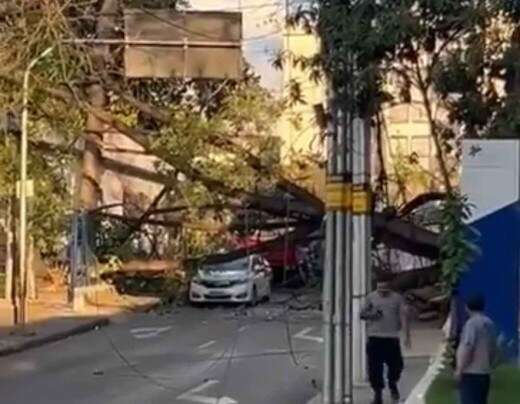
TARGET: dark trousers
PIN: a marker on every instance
(474, 389)
(381, 352)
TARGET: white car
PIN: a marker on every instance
(245, 280)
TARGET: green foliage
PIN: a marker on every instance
(218, 144)
(505, 387)
(48, 209)
(112, 240)
(380, 38)
(456, 240)
(219, 134)
(455, 57)
(409, 175)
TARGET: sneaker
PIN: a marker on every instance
(378, 399)
(394, 394)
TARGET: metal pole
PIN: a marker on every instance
(23, 185)
(347, 265)
(362, 243)
(8, 289)
(9, 262)
(340, 268)
(338, 271)
(330, 254)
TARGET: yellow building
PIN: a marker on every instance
(298, 127)
(300, 135)
(408, 149)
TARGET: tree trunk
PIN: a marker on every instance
(382, 176)
(91, 192)
(439, 152)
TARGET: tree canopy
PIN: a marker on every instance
(214, 141)
(457, 57)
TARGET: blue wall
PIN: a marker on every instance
(495, 273)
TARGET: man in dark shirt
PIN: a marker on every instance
(386, 315)
(476, 355)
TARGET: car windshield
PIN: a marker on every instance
(237, 265)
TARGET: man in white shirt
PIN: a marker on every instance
(386, 315)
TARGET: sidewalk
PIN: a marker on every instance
(426, 345)
(51, 319)
(414, 370)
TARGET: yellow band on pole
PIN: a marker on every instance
(361, 200)
(339, 196)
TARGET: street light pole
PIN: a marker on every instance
(23, 185)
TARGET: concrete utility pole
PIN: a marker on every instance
(337, 293)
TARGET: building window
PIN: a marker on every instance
(399, 114)
(418, 113)
(399, 146)
(421, 145)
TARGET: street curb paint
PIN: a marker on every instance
(418, 394)
(316, 400)
(54, 337)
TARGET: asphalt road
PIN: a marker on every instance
(210, 356)
(222, 355)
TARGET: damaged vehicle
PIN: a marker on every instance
(244, 280)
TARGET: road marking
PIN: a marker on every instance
(275, 352)
(148, 332)
(207, 344)
(304, 334)
(195, 397)
(243, 328)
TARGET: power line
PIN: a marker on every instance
(250, 7)
(203, 34)
(263, 36)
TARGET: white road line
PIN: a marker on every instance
(195, 397)
(275, 352)
(148, 332)
(304, 334)
(207, 344)
(243, 328)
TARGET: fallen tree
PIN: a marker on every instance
(163, 119)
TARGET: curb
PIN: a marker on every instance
(47, 339)
(418, 394)
(316, 400)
